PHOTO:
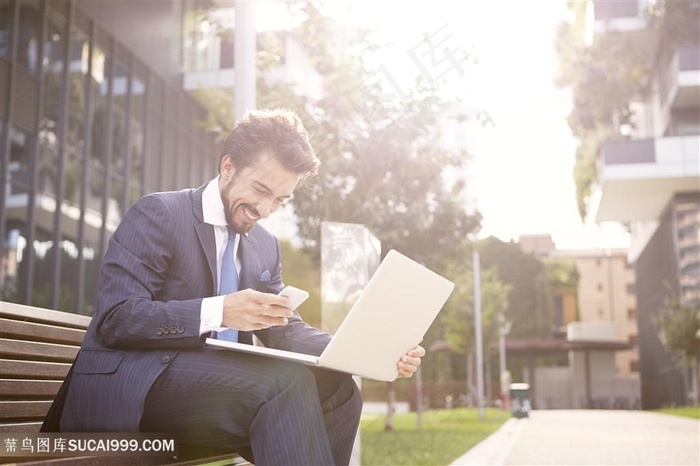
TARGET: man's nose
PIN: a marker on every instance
(264, 208)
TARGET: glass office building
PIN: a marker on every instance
(87, 126)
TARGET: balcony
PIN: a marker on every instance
(620, 16)
(685, 72)
(639, 177)
(689, 260)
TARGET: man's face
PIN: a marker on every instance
(254, 192)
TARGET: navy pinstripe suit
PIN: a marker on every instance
(143, 364)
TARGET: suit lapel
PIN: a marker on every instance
(205, 234)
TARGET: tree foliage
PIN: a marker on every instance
(604, 78)
(679, 331)
(528, 307)
(679, 328)
(383, 162)
(458, 314)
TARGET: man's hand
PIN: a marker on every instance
(252, 310)
(409, 362)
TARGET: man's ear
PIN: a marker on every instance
(228, 168)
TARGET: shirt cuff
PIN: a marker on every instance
(211, 314)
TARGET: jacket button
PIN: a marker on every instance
(181, 329)
(165, 359)
(173, 330)
(159, 331)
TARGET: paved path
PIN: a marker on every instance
(590, 437)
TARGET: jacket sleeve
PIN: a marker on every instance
(136, 266)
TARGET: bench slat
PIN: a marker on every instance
(20, 427)
(11, 368)
(36, 350)
(19, 330)
(29, 388)
(17, 410)
(36, 314)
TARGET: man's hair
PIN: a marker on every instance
(275, 132)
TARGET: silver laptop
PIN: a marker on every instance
(389, 318)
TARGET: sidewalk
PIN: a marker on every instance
(590, 437)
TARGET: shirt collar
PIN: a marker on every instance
(212, 206)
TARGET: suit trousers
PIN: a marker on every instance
(271, 412)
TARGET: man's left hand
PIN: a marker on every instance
(409, 362)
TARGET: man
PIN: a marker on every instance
(143, 365)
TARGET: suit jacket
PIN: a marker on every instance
(160, 263)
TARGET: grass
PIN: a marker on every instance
(445, 436)
(686, 411)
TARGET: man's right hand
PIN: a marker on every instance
(252, 310)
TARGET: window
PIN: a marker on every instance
(49, 137)
(15, 243)
(634, 366)
(558, 311)
(76, 135)
(119, 149)
(29, 35)
(5, 16)
(21, 155)
(631, 313)
(137, 133)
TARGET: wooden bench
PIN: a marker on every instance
(37, 348)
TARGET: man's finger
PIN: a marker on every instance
(274, 300)
(268, 321)
(275, 311)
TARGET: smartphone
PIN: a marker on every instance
(295, 295)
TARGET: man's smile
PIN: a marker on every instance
(250, 213)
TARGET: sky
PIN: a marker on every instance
(523, 162)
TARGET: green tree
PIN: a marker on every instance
(528, 302)
(679, 331)
(458, 314)
(604, 77)
(457, 318)
(383, 166)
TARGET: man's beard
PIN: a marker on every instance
(241, 229)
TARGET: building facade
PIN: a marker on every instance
(593, 322)
(650, 180)
(606, 294)
(93, 115)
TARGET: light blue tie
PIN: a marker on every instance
(229, 282)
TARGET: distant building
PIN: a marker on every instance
(606, 293)
(599, 314)
(539, 245)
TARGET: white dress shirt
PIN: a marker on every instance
(212, 310)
